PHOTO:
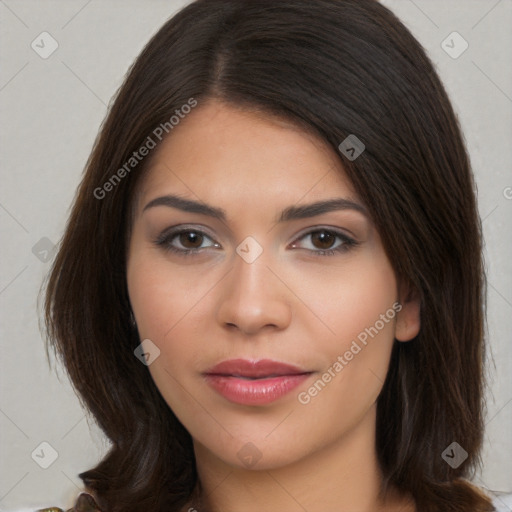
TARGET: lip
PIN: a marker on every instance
(254, 382)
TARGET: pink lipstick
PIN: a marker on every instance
(254, 382)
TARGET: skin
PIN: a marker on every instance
(290, 304)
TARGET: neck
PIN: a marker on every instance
(343, 476)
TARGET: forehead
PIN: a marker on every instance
(220, 154)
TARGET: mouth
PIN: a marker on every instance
(259, 382)
(245, 377)
(262, 368)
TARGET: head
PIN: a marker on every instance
(247, 107)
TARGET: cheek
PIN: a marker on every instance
(347, 300)
(170, 306)
(359, 307)
(164, 296)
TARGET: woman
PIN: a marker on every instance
(269, 293)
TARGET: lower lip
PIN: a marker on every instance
(254, 392)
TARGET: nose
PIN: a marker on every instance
(254, 298)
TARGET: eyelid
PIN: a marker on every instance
(342, 233)
(180, 228)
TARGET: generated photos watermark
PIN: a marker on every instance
(305, 397)
(147, 352)
(157, 135)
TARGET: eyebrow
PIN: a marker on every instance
(288, 214)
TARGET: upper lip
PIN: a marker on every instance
(260, 368)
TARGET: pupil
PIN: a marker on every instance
(325, 239)
(190, 239)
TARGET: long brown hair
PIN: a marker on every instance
(337, 67)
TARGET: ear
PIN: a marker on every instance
(408, 320)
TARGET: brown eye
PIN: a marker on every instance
(323, 239)
(185, 242)
(191, 239)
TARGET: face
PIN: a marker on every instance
(272, 320)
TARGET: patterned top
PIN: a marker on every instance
(84, 503)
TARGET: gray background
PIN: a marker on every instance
(51, 111)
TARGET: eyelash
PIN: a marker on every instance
(164, 240)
